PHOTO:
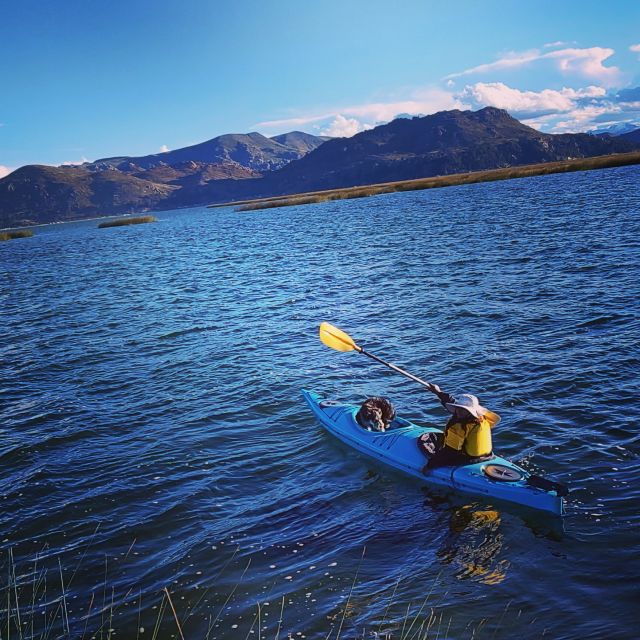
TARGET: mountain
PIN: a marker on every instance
(124, 184)
(233, 167)
(303, 142)
(632, 136)
(614, 130)
(40, 194)
(440, 144)
(249, 150)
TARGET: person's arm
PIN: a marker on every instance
(444, 397)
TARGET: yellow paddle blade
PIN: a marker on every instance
(336, 339)
(493, 418)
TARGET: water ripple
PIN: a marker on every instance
(154, 435)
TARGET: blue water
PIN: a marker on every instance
(153, 434)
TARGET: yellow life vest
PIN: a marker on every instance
(472, 438)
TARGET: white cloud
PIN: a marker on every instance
(72, 163)
(164, 148)
(5, 171)
(527, 103)
(426, 101)
(366, 115)
(541, 123)
(581, 119)
(557, 43)
(299, 121)
(552, 109)
(587, 62)
(511, 60)
(342, 127)
(557, 111)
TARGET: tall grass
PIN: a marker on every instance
(37, 603)
(123, 222)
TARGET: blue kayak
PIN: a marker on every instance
(497, 478)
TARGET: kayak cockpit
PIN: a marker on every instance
(337, 411)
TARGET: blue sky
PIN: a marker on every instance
(87, 79)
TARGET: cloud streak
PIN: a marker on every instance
(73, 163)
(5, 171)
(369, 114)
(586, 62)
(556, 44)
(510, 61)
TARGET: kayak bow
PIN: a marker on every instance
(498, 478)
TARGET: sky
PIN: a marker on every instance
(88, 79)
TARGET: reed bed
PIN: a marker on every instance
(12, 234)
(123, 222)
(508, 173)
(38, 602)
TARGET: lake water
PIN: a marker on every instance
(154, 435)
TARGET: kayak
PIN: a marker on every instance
(397, 447)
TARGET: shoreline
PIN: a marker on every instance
(434, 182)
(48, 224)
(362, 191)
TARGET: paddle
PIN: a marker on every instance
(341, 341)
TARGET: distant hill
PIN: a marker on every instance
(632, 136)
(249, 150)
(38, 194)
(240, 166)
(124, 184)
(440, 144)
(614, 130)
(300, 140)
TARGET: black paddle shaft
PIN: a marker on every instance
(428, 385)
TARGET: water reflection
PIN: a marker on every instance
(473, 544)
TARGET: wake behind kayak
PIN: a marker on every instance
(397, 447)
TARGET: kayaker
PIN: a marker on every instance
(467, 436)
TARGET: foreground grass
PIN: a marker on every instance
(38, 601)
(123, 222)
(16, 233)
(524, 171)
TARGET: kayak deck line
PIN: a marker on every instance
(397, 448)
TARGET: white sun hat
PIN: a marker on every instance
(471, 404)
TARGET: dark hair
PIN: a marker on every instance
(469, 419)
